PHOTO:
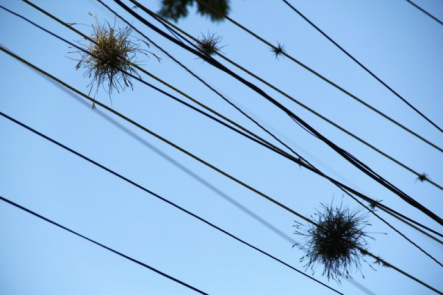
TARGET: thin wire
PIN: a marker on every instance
(377, 258)
(425, 12)
(306, 107)
(362, 66)
(197, 178)
(101, 245)
(300, 160)
(303, 163)
(313, 168)
(349, 157)
(224, 98)
(384, 221)
(394, 229)
(161, 198)
(158, 79)
(313, 72)
(275, 149)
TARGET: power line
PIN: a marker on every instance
(425, 12)
(160, 198)
(389, 265)
(275, 149)
(172, 87)
(299, 161)
(378, 259)
(362, 66)
(231, 200)
(268, 145)
(294, 100)
(101, 245)
(310, 166)
(346, 155)
(290, 57)
(86, 37)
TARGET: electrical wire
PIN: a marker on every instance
(425, 12)
(161, 198)
(362, 66)
(172, 87)
(197, 178)
(271, 147)
(377, 258)
(101, 245)
(218, 93)
(290, 57)
(346, 155)
(299, 161)
(417, 174)
(341, 187)
(318, 172)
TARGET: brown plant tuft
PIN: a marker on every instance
(338, 242)
(110, 58)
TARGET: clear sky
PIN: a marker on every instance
(395, 40)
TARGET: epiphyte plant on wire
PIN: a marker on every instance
(278, 50)
(338, 240)
(110, 56)
(209, 44)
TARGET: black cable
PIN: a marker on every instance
(417, 174)
(341, 187)
(290, 57)
(377, 258)
(425, 12)
(309, 166)
(361, 65)
(202, 81)
(101, 245)
(159, 197)
(298, 161)
(257, 139)
(349, 157)
(305, 163)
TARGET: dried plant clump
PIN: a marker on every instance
(209, 44)
(338, 242)
(110, 58)
(278, 50)
(423, 177)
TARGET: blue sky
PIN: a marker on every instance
(395, 40)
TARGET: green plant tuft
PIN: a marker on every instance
(110, 58)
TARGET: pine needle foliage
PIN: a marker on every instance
(335, 242)
(176, 9)
(110, 52)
